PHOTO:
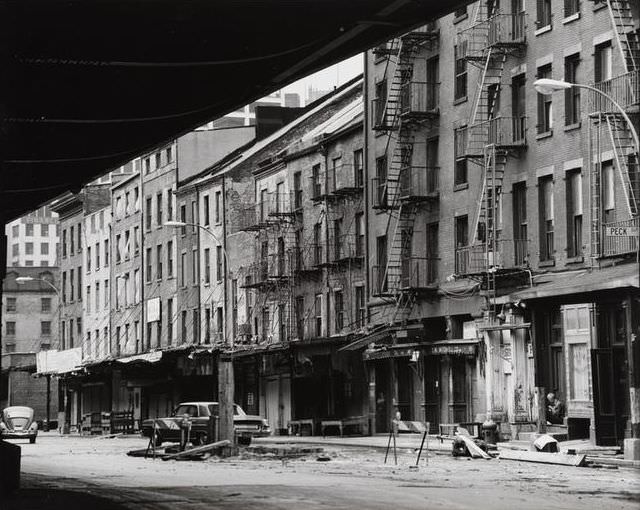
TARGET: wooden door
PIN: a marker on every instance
(578, 332)
(432, 389)
(604, 398)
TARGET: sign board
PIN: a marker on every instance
(391, 353)
(628, 231)
(452, 349)
(153, 309)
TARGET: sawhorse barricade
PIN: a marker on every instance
(420, 427)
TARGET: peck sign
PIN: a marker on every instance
(621, 231)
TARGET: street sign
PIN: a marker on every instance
(622, 231)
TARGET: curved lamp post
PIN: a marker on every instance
(547, 86)
(225, 365)
(21, 280)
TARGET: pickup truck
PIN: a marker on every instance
(198, 413)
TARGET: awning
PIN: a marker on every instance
(368, 338)
(54, 362)
(580, 282)
(452, 347)
(149, 357)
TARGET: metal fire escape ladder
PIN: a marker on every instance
(626, 158)
(627, 37)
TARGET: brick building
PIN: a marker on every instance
(477, 194)
(33, 239)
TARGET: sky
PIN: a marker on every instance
(328, 78)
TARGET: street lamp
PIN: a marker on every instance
(21, 280)
(547, 86)
(225, 365)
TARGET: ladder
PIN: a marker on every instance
(627, 35)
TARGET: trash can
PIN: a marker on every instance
(490, 432)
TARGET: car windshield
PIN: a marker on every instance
(237, 411)
(181, 410)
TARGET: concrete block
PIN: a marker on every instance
(632, 449)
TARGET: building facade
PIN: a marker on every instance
(33, 239)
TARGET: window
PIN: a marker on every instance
(194, 216)
(460, 171)
(571, 7)
(220, 322)
(10, 328)
(316, 186)
(45, 328)
(127, 203)
(381, 260)
(279, 198)
(28, 263)
(106, 252)
(158, 160)
(219, 262)
(339, 310)
(518, 107)
(571, 95)
(545, 110)
(169, 205)
(28, 248)
(603, 70)
(79, 326)
(117, 340)
(381, 181)
(360, 229)
(336, 166)
(264, 204)
(79, 237)
(147, 213)
(29, 230)
(97, 296)
(11, 304)
(169, 154)
(183, 269)
(169, 321)
(44, 248)
(461, 241)
(106, 294)
(196, 326)
(520, 227)
(101, 219)
(44, 229)
(608, 192)
(136, 240)
(543, 13)
(64, 243)
(159, 209)
(205, 207)
(118, 248)
(207, 325)
(170, 259)
(15, 250)
(194, 266)
(45, 305)
(358, 168)
(183, 219)
(15, 231)
(266, 326)
(71, 284)
(361, 310)
(337, 239)
(93, 223)
(88, 304)
(297, 190)
(97, 255)
(379, 103)
(71, 334)
(64, 286)
(218, 204)
(89, 258)
(317, 244)
(63, 334)
(460, 84)
(207, 266)
(118, 208)
(461, 11)
(159, 259)
(318, 315)
(183, 325)
(136, 286)
(136, 198)
(148, 265)
(127, 244)
(234, 306)
(574, 213)
(147, 165)
(545, 190)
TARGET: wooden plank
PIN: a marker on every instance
(543, 458)
(198, 449)
(474, 449)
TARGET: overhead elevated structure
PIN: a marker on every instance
(89, 85)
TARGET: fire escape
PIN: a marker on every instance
(609, 130)
(489, 138)
(271, 276)
(401, 187)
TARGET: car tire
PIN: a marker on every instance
(244, 441)
(32, 440)
(200, 439)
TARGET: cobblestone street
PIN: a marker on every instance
(354, 477)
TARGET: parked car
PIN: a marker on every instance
(168, 429)
(17, 423)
